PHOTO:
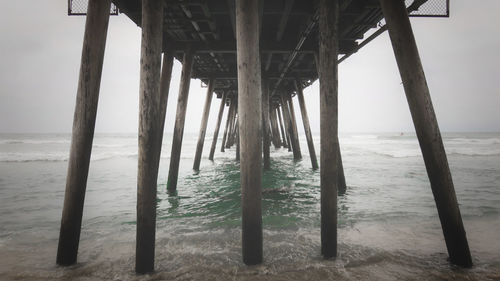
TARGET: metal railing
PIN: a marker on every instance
(430, 8)
(79, 8)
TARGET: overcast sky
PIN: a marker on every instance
(40, 48)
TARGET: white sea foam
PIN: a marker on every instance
(31, 157)
(35, 141)
(364, 137)
(59, 156)
(56, 148)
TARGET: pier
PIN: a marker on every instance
(255, 57)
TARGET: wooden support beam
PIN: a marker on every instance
(166, 77)
(268, 62)
(180, 118)
(232, 75)
(286, 144)
(276, 129)
(229, 47)
(217, 127)
(149, 134)
(307, 127)
(237, 139)
(274, 125)
(228, 121)
(288, 127)
(342, 186)
(284, 19)
(266, 142)
(427, 129)
(232, 128)
(292, 139)
(328, 81)
(203, 126)
(286, 123)
(297, 152)
(232, 15)
(87, 97)
(250, 131)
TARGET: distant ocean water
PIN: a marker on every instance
(388, 224)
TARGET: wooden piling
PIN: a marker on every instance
(146, 214)
(94, 43)
(272, 135)
(298, 153)
(328, 82)
(237, 138)
(180, 118)
(427, 129)
(232, 125)
(307, 127)
(166, 77)
(342, 187)
(275, 131)
(292, 141)
(250, 123)
(228, 121)
(285, 143)
(266, 142)
(203, 126)
(217, 127)
(149, 133)
(235, 128)
(286, 123)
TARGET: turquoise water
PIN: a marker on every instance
(388, 224)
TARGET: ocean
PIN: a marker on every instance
(388, 223)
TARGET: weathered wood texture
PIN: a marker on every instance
(228, 121)
(203, 126)
(427, 129)
(274, 125)
(237, 140)
(266, 132)
(149, 134)
(285, 142)
(232, 128)
(342, 187)
(166, 77)
(275, 128)
(328, 81)
(297, 152)
(307, 128)
(180, 118)
(289, 128)
(217, 127)
(250, 128)
(94, 43)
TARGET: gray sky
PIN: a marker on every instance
(40, 49)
